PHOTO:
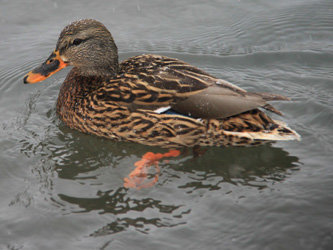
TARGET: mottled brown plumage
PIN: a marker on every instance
(127, 101)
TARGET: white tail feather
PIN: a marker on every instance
(273, 135)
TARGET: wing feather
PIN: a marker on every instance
(152, 82)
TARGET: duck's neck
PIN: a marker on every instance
(75, 90)
(103, 72)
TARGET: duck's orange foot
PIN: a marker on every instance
(138, 177)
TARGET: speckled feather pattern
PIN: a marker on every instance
(121, 107)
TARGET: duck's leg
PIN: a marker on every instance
(136, 179)
(198, 151)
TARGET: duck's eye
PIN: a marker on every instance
(77, 41)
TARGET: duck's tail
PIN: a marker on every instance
(280, 132)
(250, 128)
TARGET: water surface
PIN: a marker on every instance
(61, 189)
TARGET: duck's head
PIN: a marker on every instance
(86, 45)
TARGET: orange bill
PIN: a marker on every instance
(52, 65)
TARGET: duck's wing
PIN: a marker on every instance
(157, 83)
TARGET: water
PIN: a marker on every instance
(61, 189)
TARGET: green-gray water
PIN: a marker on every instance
(61, 189)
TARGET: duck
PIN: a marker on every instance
(152, 99)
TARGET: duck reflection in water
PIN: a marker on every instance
(219, 169)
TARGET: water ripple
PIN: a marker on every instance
(284, 29)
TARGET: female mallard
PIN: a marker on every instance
(151, 99)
